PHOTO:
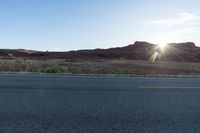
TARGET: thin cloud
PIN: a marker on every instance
(182, 18)
(187, 30)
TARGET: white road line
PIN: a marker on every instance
(168, 87)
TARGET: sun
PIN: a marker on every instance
(162, 39)
(162, 45)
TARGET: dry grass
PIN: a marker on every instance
(124, 67)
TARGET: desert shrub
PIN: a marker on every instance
(52, 69)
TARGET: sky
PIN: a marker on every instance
(62, 25)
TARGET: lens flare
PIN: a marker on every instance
(162, 45)
(156, 54)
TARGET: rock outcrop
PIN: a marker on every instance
(183, 52)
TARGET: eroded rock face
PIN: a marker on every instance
(187, 44)
(140, 50)
(183, 52)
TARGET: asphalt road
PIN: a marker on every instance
(75, 104)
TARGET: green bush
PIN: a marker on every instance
(52, 69)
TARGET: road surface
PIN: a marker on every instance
(83, 104)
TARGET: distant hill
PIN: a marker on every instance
(183, 52)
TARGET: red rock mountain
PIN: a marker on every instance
(187, 52)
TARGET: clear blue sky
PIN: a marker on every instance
(81, 24)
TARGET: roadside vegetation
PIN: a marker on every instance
(121, 67)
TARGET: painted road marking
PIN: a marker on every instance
(168, 87)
